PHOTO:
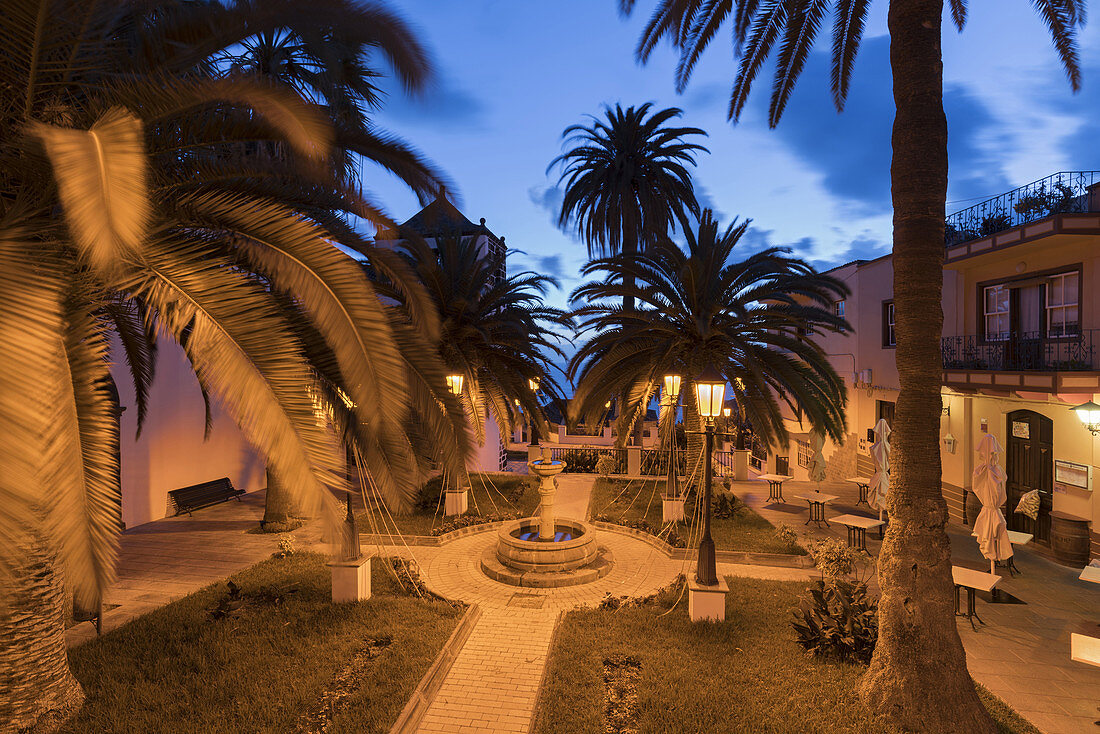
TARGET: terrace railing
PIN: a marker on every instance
(1022, 352)
(1067, 191)
(582, 459)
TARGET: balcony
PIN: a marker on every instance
(1029, 362)
(1067, 192)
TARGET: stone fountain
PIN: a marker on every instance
(546, 551)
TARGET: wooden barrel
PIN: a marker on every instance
(1069, 539)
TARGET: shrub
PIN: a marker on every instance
(834, 558)
(786, 534)
(840, 619)
(286, 547)
(605, 464)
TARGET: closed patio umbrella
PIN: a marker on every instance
(880, 480)
(817, 461)
(989, 486)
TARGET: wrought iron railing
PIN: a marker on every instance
(582, 459)
(1022, 352)
(655, 462)
(1067, 191)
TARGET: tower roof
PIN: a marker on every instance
(442, 218)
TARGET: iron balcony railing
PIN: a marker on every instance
(1067, 191)
(1022, 352)
(582, 459)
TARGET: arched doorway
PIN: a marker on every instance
(1030, 465)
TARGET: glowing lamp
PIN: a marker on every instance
(672, 385)
(533, 384)
(726, 412)
(454, 383)
(1089, 413)
(710, 392)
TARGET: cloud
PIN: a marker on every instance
(549, 199)
(550, 265)
(852, 150)
(446, 103)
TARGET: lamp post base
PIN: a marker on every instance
(707, 603)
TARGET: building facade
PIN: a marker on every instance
(1019, 345)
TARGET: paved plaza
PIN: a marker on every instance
(1021, 653)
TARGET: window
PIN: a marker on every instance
(996, 313)
(889, 338)
(805, 454)
(838, 309)
(1061, 307)
(885, 409)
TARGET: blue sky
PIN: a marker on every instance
(513, 74)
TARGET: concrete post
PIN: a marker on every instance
(634, 461)
(741, 464)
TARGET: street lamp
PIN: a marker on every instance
(672, 392)
(710, 390)
(454, 383)
(533, 383)
(1089, 413)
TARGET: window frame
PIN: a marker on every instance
(889, 325)
(979, 297)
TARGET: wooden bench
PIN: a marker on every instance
(195, 497)
(971, 580)
(857, 526)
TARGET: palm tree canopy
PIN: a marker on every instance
(627, 179)
(700, 306)
(133, 201)
(495, 331)
(791, 27)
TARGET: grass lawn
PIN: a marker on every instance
(626, 500)
(264, 670)
(744, 675)
(491, 496)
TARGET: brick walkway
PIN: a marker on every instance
(493, 684)
(1021, 654)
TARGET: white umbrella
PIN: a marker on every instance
(880, 480)
(817, 461)
(989, 486)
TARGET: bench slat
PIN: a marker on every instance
(205, 494)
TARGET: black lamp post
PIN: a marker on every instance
(672, 391)
(710, 389)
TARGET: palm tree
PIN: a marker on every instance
(703, 306)
(627, 184)
(131, 200)
(495, 331)
(918, 674)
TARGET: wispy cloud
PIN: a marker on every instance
(445, 104)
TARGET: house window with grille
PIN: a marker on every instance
(996, 313)
(805, 454)
(1062, 296)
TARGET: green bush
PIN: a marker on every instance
(605, 465)
(840, 619)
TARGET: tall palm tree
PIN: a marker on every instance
(702, 305)
(918, 674)
(497, 332)
(126, 207)
(627, 184)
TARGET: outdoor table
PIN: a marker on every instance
(857, 526)
(1091, 573)
(864, 484)
(817, 506)
(1016, 538)
(972, 581)
(775, 486)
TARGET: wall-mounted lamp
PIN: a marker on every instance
(946, 410)
(1089, 413)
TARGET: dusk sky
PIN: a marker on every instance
(513, 75)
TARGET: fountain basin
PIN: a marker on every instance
(545, 563)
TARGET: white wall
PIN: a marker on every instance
(171, 452)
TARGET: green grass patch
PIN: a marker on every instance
(266, 665)
(746, 674)
(492, 496)
(637, 503)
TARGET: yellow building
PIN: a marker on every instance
(1020, 347)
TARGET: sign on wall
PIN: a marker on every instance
(1073, 475)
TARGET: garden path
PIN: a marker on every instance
(493, 684)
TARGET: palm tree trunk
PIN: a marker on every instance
(37, 690)
(693, 423)
(918, 676)
(280, 506)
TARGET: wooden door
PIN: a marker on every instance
(1029, 464)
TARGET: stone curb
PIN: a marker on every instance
(545, 668)
(409, 719)
(722, 556)
(428, 540)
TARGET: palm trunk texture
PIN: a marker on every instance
(918, 676)
(279, 503)
(37, 691)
